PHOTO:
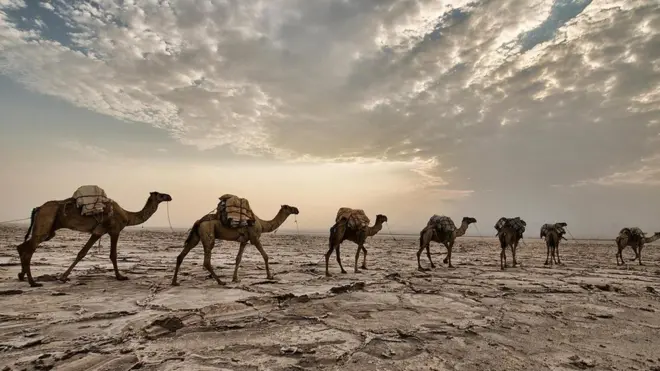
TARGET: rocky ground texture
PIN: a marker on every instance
(585, 314)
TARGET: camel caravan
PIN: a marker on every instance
(89, 210)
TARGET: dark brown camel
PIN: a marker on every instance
(341, 232)
(552, 238)
(430, 233)
(509, 237)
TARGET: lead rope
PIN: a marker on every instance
(389, 231)
(569, 233)
(478, 231)
(13, 221)
(168, 217)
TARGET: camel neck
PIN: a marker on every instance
(139, 217)
(375, 229)
(652, 238)
(461, 231)
(273, 224)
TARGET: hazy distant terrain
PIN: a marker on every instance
(586, 314)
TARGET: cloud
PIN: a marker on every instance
(474, 95)
(84, 151)
(646, 173)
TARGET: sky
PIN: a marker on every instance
(547, 110)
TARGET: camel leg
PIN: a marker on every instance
(428, 254)
(239, 257)
(114, 238)
(557, 253)
(513, 253)
(179, 259)
(357, 257)
(619, 256)
(419, 254)
(327, 258)
(503, 259)
(25, 252)
(261, 250)
(547, 253)
(209, 242)
(81, 255)
(338, 251)
(450, 247)
(639, 255)
(364, 258)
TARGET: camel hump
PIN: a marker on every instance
(90, 199)
(636, 232)
(357, 218)
(442, 223)
(235, 212)
(500, 223)
(556, 227)
(516, 224)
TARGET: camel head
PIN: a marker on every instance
(159, 197)
(561, 224)
(290, 209)
(380, 219)
(469, 220)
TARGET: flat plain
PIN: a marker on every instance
(585, 314)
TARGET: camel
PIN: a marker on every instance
(509, 236)
(341, 232)
(552, 238)
(53, 215)
(559, 229)
(431, 233)
(634, 240)
(209, 228)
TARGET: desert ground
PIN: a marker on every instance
(585, 314)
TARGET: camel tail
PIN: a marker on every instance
(32, 216)
(193, 232)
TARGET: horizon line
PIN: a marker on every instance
(320, 231)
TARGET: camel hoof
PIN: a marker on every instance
(328, 275)
(222, 283)
(357, 271)
(121, 278)
(451, 267)
(445, 261)
(174, 283)
(344, 272)
(365, 268)
(35, 284)
(21, 276)
(271, 277)
(63, 279)
(235, 280)
(422, 269)
(432, 266)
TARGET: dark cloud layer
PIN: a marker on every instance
(532, 95)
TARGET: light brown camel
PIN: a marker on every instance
(508, 236)
(341, 232)
(209, 228)
(636, 241)
(54, 215)
(430, 233)
(552, 238)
